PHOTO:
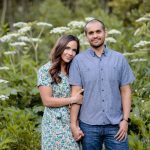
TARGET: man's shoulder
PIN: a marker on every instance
(81, 55)
(116, 53)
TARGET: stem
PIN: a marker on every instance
(36, 45)
(36, 56)
(19, 58)
(12, 64)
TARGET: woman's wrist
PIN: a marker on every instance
(72, 100)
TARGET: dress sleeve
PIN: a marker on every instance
(43, 77)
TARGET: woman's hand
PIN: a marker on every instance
(78, 98)
(77, 132)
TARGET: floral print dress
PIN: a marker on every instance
(56, 132)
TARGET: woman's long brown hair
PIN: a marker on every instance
(56, 56)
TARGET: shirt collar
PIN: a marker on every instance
(105, 52)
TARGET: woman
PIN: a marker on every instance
(55, 93)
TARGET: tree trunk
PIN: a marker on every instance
(4, 9)
(10, 14)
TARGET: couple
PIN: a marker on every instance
(104, 75)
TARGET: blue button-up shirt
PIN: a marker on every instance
(101, 79)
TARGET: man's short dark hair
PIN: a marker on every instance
(94, 20)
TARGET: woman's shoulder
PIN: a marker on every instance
(43, 75)
(45, 67)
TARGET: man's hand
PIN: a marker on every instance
(77, 133)
(122, 133)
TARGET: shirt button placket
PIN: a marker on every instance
(102, 83)
(100, 74)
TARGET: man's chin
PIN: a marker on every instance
(97, 46)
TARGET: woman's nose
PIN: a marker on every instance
(70, 52)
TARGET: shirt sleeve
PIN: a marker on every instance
(43, 77)
(75, 74)
(127, 75)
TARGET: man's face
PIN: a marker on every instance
(95, 34)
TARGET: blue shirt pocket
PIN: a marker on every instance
(113, 74)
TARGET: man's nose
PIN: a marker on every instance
(95, 35)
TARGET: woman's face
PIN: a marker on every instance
(69, 52)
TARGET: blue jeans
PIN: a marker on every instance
(96, 135)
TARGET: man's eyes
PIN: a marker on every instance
(98, 31)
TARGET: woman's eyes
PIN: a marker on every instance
(69, 48)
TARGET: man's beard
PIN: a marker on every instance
(97, 46)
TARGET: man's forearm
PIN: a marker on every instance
(74, 114)
(75, 107)
(126, 101)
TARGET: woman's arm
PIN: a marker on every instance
(49, 101)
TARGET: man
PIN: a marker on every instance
(105, 76)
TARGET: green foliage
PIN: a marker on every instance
(20, 104)
(3, 29)
(50, 11)
(128, 10)
(19, 129)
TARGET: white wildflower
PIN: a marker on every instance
(138, 60)
(114, 31)
(143, 19)
(35, 39)
(10, 52)
(141, 43)
(135, 115)
(3, 81)
(111, 40)
(18, 44)
(89, 18)
(24, 29)
(20, 24)
(83, 40)
(4, 68)
(76, 24)
(142, 101)
(59, 30)
(128, 54)
(8, 37)
(44, 24)
(135, 90)
(24, 39)
(137, 31)
(3, 97)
